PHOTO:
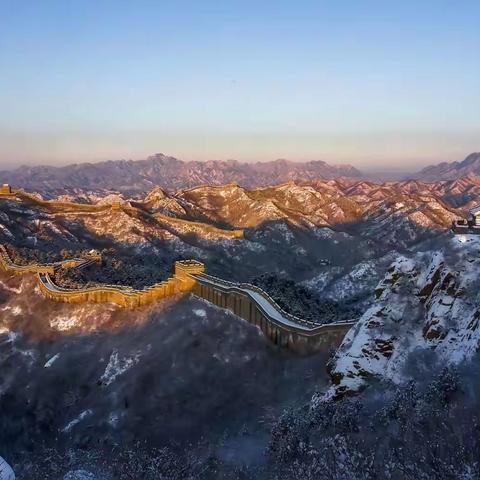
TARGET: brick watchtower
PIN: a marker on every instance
(5, 189)
(184, 269)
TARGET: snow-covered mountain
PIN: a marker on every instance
(168, 172)
(140, 176)
(427, 304)
(319, 222)
(331, 249)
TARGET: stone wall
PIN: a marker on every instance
(180, 223)
(7, 265)
(120, 295)
(5, 189)
(234, 299)
(243, 301)
(128, 297)
(294, 333)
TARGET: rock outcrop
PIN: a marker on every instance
(427, 305)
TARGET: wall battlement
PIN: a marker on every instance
(123, 296)
(246, 301)
(5, 189)
(257, 307)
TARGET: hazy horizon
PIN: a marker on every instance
(381, 86)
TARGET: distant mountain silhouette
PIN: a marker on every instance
(450, 170)
(168, 172)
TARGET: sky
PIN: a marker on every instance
(378, 84)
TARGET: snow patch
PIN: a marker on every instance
(117, 366)
(113, 419)
(75, 421)
(52, 360)
(64, 322)
(11, 289)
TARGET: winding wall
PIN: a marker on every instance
(173, 222)
(244, 300)
(120, 295)
(255, 306)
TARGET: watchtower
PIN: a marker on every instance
(474, 215)
(184, 269)
(6, 189)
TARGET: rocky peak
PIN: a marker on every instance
(428, 302)
(471, 160)
(155, 194)
(112, 199)
(451, 171)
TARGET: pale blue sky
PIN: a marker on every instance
(373, 83)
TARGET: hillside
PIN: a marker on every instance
(230, 227)
(426, 303)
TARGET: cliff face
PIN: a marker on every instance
(427, 307)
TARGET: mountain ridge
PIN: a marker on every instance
(450, 170)
(136, 177)
(139, 176)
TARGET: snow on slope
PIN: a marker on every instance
(429, 302)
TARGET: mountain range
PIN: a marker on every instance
(380, 254)
(142, 175)
(451, 170)
(139, 177)
(329, 229)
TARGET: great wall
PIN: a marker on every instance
(244, 300)
(132, 208)
(123, 296)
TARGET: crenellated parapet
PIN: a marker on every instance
(9, 266)
(9, 193)
(123, 296)
(177, 224)
(184, 271)
(245, 300)
(120, 295)
(255, 306)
